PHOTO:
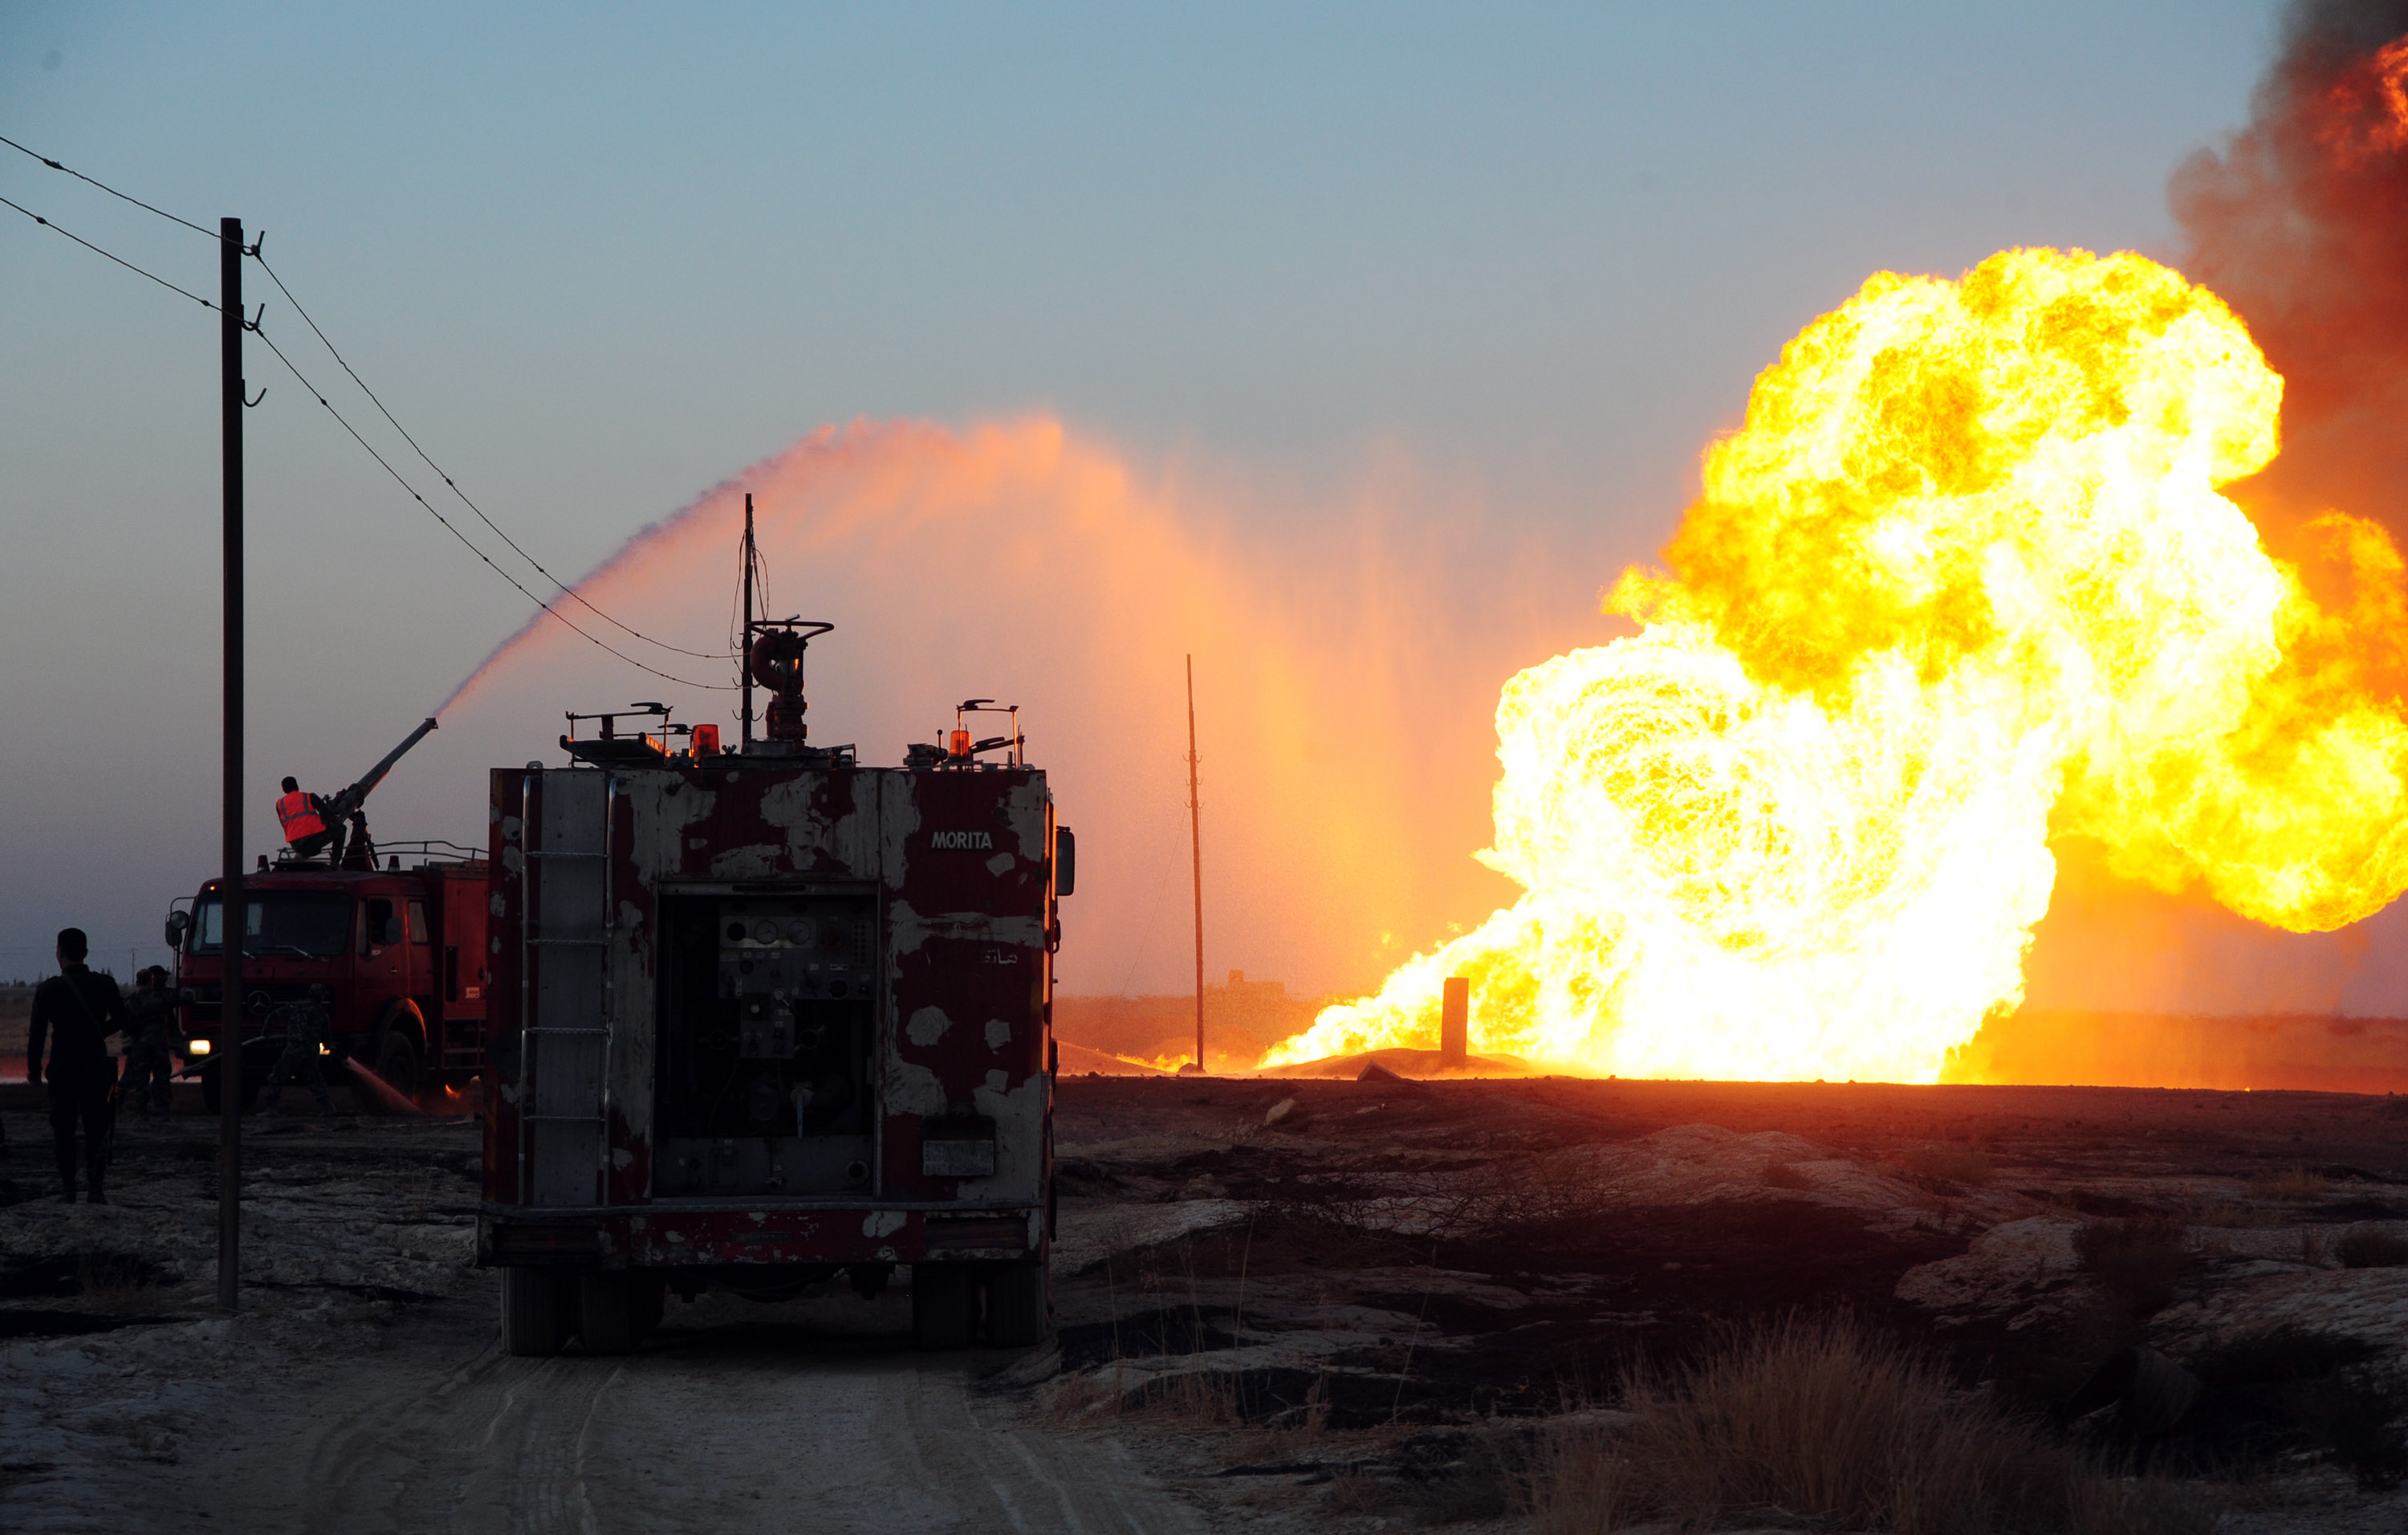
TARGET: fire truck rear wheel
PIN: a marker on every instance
(535, 1312)
(944, 1305)
(1016, 1311)
(607, 1315)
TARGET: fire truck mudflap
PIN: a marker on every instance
(762, 1018)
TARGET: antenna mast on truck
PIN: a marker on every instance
(744, 646)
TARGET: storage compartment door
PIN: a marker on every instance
(568, 1042)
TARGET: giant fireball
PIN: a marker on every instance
(1964, 581)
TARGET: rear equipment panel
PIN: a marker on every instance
(749, 1012)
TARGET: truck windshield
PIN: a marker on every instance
(279, 922)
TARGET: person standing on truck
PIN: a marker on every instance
(305, 823)
(304, 1031)
(75, 1011)
(149, 1044)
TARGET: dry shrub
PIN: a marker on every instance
(118, 1284)
(2290, 1186)
(1190, 1399)
(2319, 1386)
(1359, 1492)
(1826, 1421)
(1954, 1161)
(1196, 1398)
(1101, 1392)
(2368, 1247)
(2136, 1259)
(2227, 1214)
(1579, 1484)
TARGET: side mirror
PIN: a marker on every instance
(177, 923)
(1066, 862)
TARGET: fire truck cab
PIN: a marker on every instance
(402, 952)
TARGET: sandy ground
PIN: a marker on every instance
(360, 1388)
(1355, 1318)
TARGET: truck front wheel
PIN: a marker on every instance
(535, 1312)
(396, 1062)
(944, 1305)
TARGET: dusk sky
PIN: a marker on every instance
(1484, 279)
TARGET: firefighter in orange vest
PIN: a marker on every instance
(305, 825)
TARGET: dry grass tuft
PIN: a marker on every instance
(1824, 1421)
(1188, 1399)
(1579, 1485)
(119, 1285)
(2369, 1247)
(2290, 1186)
(2228, 1214)
(1957, 1162)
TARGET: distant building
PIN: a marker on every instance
(1239, 989)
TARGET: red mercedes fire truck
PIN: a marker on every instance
(401, 951)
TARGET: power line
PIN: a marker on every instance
(252, 251)
(465, 542)
(564, 588)
(120, 260)
(106, 187)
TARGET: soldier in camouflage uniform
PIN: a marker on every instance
(305, 1029)
(150, 1039)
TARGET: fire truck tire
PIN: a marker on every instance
(535, 1312)
(944, 1305)
(606, 1311)
(1017, 1314)
(396, 1059)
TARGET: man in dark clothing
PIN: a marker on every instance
(76, 1011)
(304, 1031)
(151, 1041)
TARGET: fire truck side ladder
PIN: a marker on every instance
(565, 835)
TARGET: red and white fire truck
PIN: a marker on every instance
(402, 952)
(764, 1016)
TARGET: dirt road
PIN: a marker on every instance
(362, 1388)
(712, 1429)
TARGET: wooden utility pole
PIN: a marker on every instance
(1195, 857)
(231, 915)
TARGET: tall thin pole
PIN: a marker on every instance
(1196, 855)
(230, 908)
(744, 645)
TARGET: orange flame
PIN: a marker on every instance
(2366, 107)
(1963, 581)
